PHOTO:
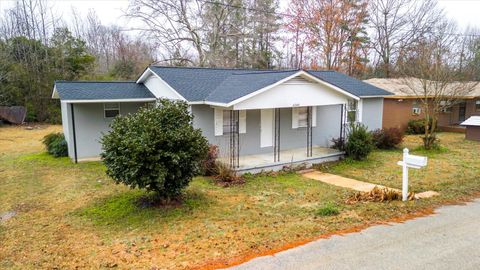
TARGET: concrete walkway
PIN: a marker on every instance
(446, 240)
(340, 181)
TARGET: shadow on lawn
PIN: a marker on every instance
(134, 208)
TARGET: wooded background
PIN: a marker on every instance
(376, 38)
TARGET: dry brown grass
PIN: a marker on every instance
(72, 216)
(17, 139)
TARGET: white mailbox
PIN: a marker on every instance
(410, 161)
(417, 161)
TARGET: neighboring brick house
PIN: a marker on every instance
(403, 106)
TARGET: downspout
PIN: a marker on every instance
(74, 134)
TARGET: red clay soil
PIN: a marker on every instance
(225, 263)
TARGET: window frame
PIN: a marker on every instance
(446, 106)
(416, 106)
(304, 114)
(477, 105)
(226, 127)
(352, 109)
(105, 109)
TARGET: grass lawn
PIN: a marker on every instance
(73, 216)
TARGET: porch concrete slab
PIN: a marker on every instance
(287, 156)
(340, 181)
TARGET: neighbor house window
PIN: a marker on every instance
(352, 111)
(477, 105)
(445, 106)
(111, 109)
(416, 109)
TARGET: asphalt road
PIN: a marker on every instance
(449, 239)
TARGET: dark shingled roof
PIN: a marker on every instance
(206, 84)
(226, 85)
(83, 90)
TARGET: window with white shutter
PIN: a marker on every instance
(218, 119)
(243, 121)
(300, 117)
(222, 121)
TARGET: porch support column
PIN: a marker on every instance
(343, 113)
(309, 131)
(234, 139)
(276, 137)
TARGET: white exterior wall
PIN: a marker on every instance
(372, 112)
(90, 123)
(67, 127)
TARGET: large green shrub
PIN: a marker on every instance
(56, 144)
(387, 138)
(156, 149)
(359, 142)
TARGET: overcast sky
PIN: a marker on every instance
(464, 12)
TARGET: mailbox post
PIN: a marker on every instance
(405, 175)
(409, 161)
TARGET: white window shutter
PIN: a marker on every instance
(218, 119)
(314, 116)
(242, 125)
(360, 110)
(294, 117)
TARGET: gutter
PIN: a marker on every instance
(74, 134)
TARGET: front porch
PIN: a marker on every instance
(292, 157)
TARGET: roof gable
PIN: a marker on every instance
(299, 90)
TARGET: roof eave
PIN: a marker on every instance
(107, 100)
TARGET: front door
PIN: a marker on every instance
(462, 108)
(266, 128)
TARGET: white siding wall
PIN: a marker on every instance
(372, 113)
(90, 123)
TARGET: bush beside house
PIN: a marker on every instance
(359, 142)
(388, 138)
(155, 149)
(56, 144)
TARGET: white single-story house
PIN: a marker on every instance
(260, 119)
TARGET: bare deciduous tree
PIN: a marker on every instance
(396, 24)
(431, 72)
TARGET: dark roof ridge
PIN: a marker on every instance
(267, 71)
(65, 81)
(226, 68)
